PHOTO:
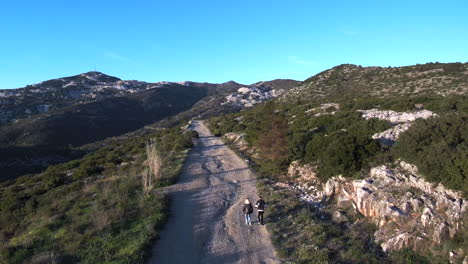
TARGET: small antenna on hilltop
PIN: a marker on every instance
(95, 68)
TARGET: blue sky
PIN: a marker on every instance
(218, 41)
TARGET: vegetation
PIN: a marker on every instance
(341, 143)
(25, 144)
(439, 148)
(102, 209)
(91, 210)
(155, 164)
(303, 234)
(351, 80)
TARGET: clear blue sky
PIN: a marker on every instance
(218, 41)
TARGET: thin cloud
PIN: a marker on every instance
(300, 61)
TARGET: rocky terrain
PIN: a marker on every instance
(324, 109)
(358, 199)
(93, 86)
(84, 88)
(53, 94)
(409, 211)
(249, 96)
(42, 121)
(400, 121)
(259, 92)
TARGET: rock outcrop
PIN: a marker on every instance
(401, 121)
(238, 139)
(409, 211)
(304, 174)
(325, 109)
(249, 96)
(396, 117)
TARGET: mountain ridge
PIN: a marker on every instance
(88, 107)
(85, 87)
(350, 79)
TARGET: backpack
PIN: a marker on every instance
(250, 209)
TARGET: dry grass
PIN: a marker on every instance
(155, 163)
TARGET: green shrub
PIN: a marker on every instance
(439, 148)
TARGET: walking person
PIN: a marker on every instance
(248, 210)
(260, 205)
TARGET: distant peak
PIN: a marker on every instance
(231, 82)
(347, 66)
(98, 76)
(93, 72)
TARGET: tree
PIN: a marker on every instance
(273, 141)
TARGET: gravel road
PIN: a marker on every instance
(206, 223)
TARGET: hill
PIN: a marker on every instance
(370, 163)
(352, 80)
(368, 169)
(45, 123)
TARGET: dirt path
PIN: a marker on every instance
(207, 224)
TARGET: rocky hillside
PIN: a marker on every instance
(358, 165)
(345, 178)
(93, 86)
(249, 96)
(41, 122)
(370, 163)
(259, 92)
(83, 88)
(408, 211)
(233, 99)
(350, 80)
(54, 94)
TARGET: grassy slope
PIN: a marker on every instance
(90, 210)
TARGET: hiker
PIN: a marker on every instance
(260, 205)
(248, 210)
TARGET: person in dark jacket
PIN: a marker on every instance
(248, 210)
(260, 205)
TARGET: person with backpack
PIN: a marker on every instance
(260, 205)
(248, 210)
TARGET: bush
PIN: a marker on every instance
(341, 144)
(439, 148)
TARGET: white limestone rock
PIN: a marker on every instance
(409, 211)
(401, 122)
